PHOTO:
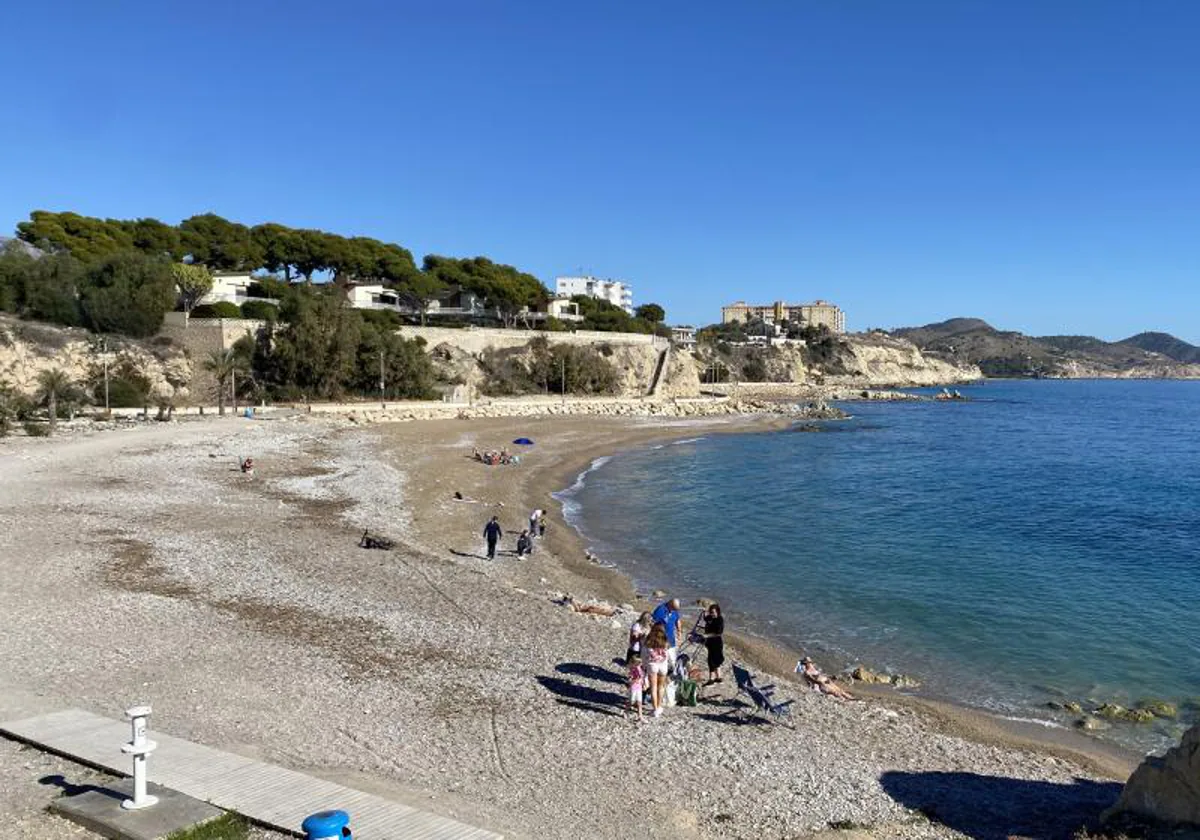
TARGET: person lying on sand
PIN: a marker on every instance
(814, 677)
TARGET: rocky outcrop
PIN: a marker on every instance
(1167, 788)
(27, 349)
(875, 360)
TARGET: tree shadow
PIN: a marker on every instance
(590, 672)
(996, 807)
(583, 696)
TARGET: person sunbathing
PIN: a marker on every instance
(825, 683)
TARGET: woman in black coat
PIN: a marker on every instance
(714, 642)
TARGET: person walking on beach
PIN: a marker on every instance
(492, 532)
(637, 682)
(541, 525)
(524, 544)
(714, 642)
(656, 665)
(667, 614)
(533, 521)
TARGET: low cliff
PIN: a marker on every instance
(874, 359)
(859, 360)
(29, 348)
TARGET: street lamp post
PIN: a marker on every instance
(382, 382)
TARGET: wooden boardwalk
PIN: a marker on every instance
(267, 794)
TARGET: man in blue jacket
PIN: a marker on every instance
(668, 613)
(492, 533)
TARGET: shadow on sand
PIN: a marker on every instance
(997, 807)
(583, 696)
(590, 672)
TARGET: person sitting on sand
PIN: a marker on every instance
(814, 677)
(656, 658)
(247, 466)
(524, 544)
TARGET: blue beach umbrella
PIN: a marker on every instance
(523, 442)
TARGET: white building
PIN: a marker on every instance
(372, 297)
(230, 287)
(685, 336)
(614, 291)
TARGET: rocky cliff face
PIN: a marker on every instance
(880, 360)
(1165, 789)
(859, 361)
(27, 349)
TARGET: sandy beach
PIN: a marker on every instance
(143, 566)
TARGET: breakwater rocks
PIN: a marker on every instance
(698, 408)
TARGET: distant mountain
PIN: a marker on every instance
(1165, 344)
(999, 353)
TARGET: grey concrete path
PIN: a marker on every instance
(265, 793)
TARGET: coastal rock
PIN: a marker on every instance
(1167, 788)
(1115, 711)
(1091, 724)
(905, 681)
(1159, 708)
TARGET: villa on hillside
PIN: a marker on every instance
(616, 292)
(819, 313)
(684, 336)
(233, 287)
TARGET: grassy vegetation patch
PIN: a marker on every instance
(227, 827)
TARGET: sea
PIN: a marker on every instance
(1034, 544)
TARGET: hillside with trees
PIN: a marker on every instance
(120, 277)
(1002, 353)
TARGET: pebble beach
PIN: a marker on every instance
(142, 566)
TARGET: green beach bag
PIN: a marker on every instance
(688, 691)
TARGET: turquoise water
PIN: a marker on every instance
(1039, 542)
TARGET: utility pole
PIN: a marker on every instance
(382, 383)
(233, 388)
(104, 356)
(563, 362)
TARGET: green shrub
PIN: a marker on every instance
(383, 318)
(260, 310)
(220, 309)
(122, 393)
(754, 369)
(34, 429)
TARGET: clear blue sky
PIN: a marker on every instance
(1033, 163)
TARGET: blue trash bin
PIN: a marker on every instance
(326, 825)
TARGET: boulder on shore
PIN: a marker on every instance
(1165, 788)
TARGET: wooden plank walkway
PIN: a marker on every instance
(265, 793)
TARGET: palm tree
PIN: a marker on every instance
(222, 364)
(54, 382)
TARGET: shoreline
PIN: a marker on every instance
(1103, 757)
(457, 685)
